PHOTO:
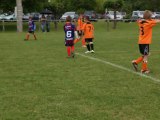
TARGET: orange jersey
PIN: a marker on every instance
(80, 24)
(145, 31)
(88, 30)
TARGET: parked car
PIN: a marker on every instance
(26, 16)
(73, 15)
(157, 15)
(110, 15)
(9, 17)
(139, 15)
(3, 15)
(100, 16)
(92, 15)
(35, 16)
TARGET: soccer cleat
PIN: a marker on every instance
(92, 51)
(135, 65)
(87, 52)
(145, 71)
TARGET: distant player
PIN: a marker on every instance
(31, 29)
(69, 30)
(145, 39)
(79, 29)
(88, 30)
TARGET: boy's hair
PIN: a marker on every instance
(30, 17)
(147, 14)
(87, 18)
(68, 19)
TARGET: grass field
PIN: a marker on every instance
(38, 82)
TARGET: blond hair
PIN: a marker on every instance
(147, 14)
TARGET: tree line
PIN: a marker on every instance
(61, 6)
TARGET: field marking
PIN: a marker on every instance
(120, 67)
(152, 51)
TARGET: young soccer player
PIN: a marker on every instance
(88, 30)
(69, 30)
(79, 29)
(145, 39)
(31, 29)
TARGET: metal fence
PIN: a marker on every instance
(11, 25)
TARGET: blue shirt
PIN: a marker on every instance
(31, 25)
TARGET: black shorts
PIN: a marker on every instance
(144, 49)
(69, 42)
(31, 32)
(89, 40)
(80, 32)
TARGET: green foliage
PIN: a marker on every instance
(33, 5)
(7, 5)
(114, 5)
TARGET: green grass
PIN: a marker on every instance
(38, 82)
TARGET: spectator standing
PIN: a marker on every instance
(43, 22)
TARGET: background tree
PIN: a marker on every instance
(19, 15)
(99, 6)
(33, 5)
(115, 6)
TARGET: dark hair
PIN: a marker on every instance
(87, 18)
(68, 19)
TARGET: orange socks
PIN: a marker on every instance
(83, 41)
(140, 59)
(144, 66)
(76, 40)
(27, 36)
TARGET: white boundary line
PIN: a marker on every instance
(120, 67)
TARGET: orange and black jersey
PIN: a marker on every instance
(145, 31)
(80, 24)
(88, 30)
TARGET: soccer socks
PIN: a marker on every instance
(140, 59)
(69, 51)
(27, 36)
(144, 66)
(83, 41)
(76, 40)
(72, 49)
(88, 47)
(92, 46)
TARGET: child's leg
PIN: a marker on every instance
(27, 36)
(91, 46)
(72, 49)
(144, 64)
(88, 46)
(139, 60)
(69, 51)
(35, 38)
(83, 41)
(76, 40)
